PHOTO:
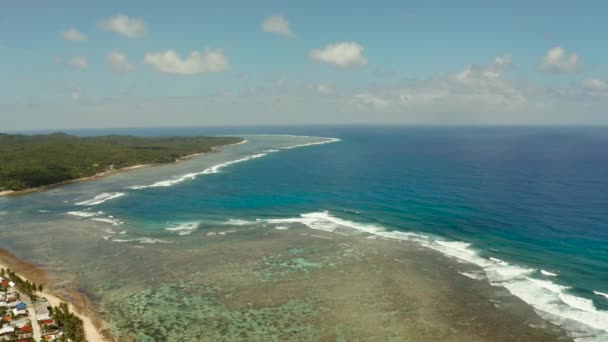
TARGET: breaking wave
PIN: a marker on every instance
(577, 315)
(217, 168)
(184, 228)
(106, 196)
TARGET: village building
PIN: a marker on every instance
(42, 310)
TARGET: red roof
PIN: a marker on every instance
(26, 329)
(5, 283)
(48, 321)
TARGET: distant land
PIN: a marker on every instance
(34, 161)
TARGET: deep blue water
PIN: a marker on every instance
(535, 197)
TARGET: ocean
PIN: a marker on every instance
(529, 205)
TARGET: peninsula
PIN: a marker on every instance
(35, 161)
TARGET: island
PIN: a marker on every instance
(35, 161)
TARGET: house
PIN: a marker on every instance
(20, 323)
(21, 306)
(42, 310)
(11, 284)
(3, 304)
(19, 312)
(48, 322)
(6, 329)
(26, 332)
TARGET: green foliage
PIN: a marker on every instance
(39, 160)
(25, 286)
(71, 325)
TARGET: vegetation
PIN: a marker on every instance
(30, 161)
(25, 286)
(72, 326)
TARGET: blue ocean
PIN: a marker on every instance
(529, 205)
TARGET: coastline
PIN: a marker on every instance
(95, 328)
(111, 172)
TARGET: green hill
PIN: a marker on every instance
(30, 161)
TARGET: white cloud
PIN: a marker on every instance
(372, 100)
(197, 63)
(79, 62)
(474, 89)
(325, 89)
(122, 24)
(594, 84)
(74, 35)
(119, 62)
(75, 95)
(503, 61)
(342, 54)
(277, 24)
(557, 60)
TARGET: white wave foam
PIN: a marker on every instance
(473, 275)
(329, 140)
(143, 240)
(112, 221)
(106, 196)
(184, 228)
(235, 222)
(281, 228)
(605, 295)
(210, 170)
(577, 315)
(82, 213)
(548, 274)
(217, 168)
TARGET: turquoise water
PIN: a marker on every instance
(528, 205)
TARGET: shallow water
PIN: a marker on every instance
(528, 205)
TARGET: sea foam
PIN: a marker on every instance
(82, 213)
(106, 196)
(548, 274)
(577, 315)
(217, 168)
(184, 228)
(143, 240)
(605, 295)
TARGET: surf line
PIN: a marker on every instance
(218, 167)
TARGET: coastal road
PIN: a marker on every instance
(35, 326)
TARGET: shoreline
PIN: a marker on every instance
(111, 172)
(95, 328)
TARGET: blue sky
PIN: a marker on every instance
(432, 62)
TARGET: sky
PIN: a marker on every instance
(105, 64)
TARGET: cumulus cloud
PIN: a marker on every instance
(197, 63)
(325, 89)
(503, 61)
(75, 94)
(74, 35)
(594, 84)
(123, 25)
(558, 60)
(342, 54)
(475, 88)
(279, 25)
(595, 87)
(372, 100)
(119, 62)
(79, 62)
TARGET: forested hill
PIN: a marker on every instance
(30, 161)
